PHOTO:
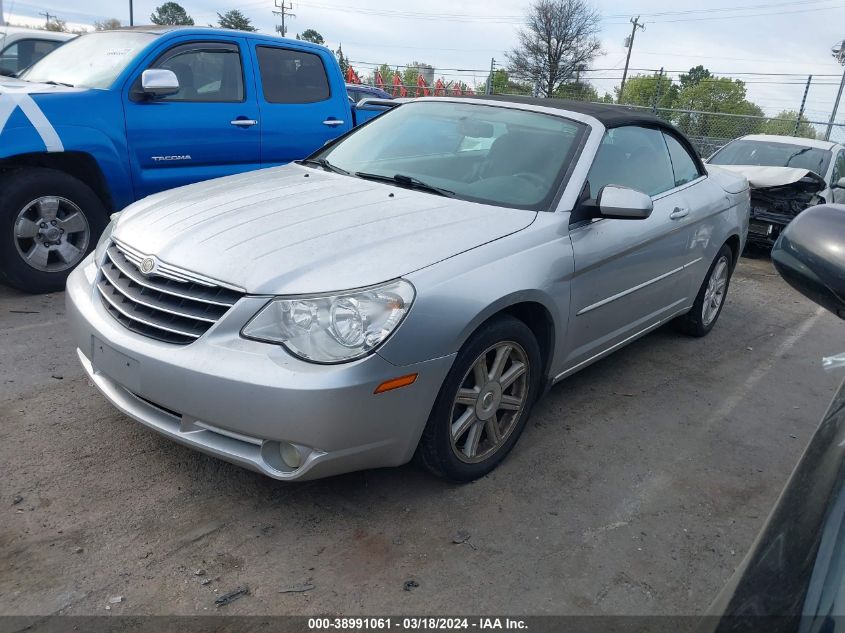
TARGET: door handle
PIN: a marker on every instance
(244, 122)
(333, 122)
(679, 213)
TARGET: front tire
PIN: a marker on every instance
(711, 296)
(484, 403)
(49, 221)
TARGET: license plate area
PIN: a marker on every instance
(123, 369)
(760, 228)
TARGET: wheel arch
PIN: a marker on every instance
(80, 165)
(734, 244)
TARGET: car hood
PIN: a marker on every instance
(293, 230)
(763, 177)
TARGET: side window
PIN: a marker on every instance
(684, 165)
(24, 53)
(290, 76)
(206, 72)
(634, 157)
(839, 167)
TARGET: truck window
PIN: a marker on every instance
(206, 72)
(290, 76)
(24, 53)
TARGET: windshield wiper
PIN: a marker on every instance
(325, 164)
(795, 154)
(407, 181)
(58, 83)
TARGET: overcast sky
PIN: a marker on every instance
(746, 36)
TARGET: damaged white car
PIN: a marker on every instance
(786, 175)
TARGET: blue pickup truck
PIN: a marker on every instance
(114, 116)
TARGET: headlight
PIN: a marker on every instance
(105, 238)
(333, 328)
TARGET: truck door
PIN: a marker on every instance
(301, 109)
(210, 128)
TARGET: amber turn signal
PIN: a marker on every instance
(396, 383)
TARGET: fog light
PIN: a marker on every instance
(290, 455)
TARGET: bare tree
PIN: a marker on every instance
(559, 37)
(109, 24)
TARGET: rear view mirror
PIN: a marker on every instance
(623, 203)
(810, 256)
(159, 82)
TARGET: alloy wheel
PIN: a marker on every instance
(51, 234)
(714, 295)
(489, 402)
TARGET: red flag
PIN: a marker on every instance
(352, 76)
(440, 88)
(379, 80)
(421, 84)
(456, 89)
(397, 84)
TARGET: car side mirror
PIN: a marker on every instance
(840, 184)
(810, 256)
(623, 203)
(159, 82)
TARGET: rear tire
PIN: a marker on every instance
(49, 221)
(484, 403)
(711, 296)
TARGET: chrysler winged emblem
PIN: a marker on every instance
(148, 265)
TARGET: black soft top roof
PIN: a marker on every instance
(610, 115)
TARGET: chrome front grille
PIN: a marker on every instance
(170, 305)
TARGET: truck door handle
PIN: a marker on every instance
(244, 122)
(679, 213)
(333, 122)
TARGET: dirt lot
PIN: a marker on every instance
(636, 489)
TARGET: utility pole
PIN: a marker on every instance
(839, 53)
(630, 43)
(47, 16)
(657, 91)
(131, 15)
(490, 78)
(803, 103)
(283, 10)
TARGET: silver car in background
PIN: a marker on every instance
(410, 289)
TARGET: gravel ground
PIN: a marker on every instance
(636, 489)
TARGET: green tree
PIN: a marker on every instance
(694, 77)
(310, 35)
(718, 95)
(342, 61)
(503, 84)
(109, 24)
(235, 20)
(171, 13)
(784, 125)
(648, 91)
(577, 91)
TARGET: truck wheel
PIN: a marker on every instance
(49, 221)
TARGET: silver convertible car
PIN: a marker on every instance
(409, 290)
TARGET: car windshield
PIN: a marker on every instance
(771, 154)
(489, 154)
(89, 61)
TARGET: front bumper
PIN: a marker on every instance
(238, 399)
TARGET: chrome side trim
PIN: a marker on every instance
(613, 348)
(645, 284)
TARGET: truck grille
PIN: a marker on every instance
(170, 305)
